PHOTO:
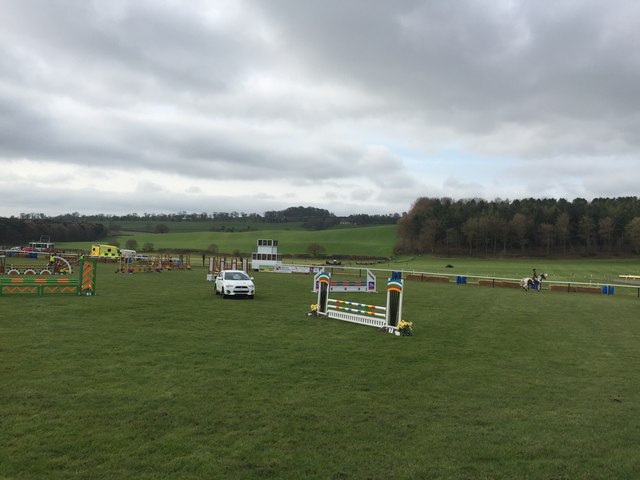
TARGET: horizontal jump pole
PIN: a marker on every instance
(367, 284)
(355, 304)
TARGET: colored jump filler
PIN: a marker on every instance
(387, 318)
(39, 285)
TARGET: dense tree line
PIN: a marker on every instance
(19, 232)
(603, 226)
(366, 219)
(319, 219)
(311, 217)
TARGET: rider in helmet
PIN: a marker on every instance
(536, 279)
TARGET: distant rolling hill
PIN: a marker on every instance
(374, 241)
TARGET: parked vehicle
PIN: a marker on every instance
(234, 283)
(108, 251)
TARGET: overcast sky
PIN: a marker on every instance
(356, 106)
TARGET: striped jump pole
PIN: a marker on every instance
(354, 304)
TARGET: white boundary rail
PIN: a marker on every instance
(546, 284)
(628, 285)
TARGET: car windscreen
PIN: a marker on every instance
(236, 276)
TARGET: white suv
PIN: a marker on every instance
(230, 283)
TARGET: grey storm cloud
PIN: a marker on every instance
(363, 101)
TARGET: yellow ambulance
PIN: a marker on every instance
(108, 251)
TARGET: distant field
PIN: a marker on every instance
(189, 226)
(378, 241)
(370, 241)
(155, 377)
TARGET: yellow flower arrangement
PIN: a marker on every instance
(405, 328)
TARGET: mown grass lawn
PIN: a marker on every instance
(155, 377)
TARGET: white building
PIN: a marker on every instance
(267, 255)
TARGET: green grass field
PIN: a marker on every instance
(189, 226)
(155, 377)
(371, 241)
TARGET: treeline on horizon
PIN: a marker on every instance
(315, 218)
(73, 227)
(19, 232)
(603, 226)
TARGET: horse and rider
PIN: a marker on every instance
(535, 281)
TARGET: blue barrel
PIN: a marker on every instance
(607, 290)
